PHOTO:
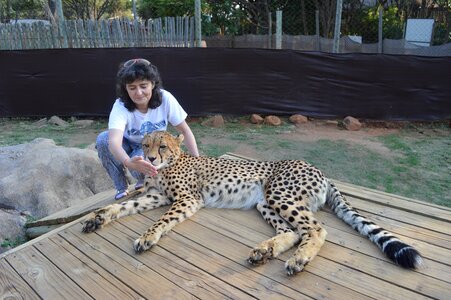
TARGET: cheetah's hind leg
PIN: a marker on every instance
(105, 215)
(284, 240)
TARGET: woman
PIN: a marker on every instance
(143, 106)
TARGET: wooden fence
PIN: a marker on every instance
(117, 33)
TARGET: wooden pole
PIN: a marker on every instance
(61, 25)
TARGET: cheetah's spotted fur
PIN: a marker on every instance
(287, 193)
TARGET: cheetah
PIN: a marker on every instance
(286, 193)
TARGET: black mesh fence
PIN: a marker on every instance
(420, 27)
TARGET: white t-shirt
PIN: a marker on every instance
(136, 124)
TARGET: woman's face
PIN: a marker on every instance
(140, 91)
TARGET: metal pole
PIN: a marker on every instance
(270, 30)
(380, 41)
(336, 46)
(279, 29)
(197, 23)
(317, 30)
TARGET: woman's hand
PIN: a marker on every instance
(138, 163)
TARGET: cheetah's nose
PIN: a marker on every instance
(151, 158)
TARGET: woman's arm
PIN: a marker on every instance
(137, 163)
(190, 140)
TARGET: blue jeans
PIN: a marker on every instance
(115, 168)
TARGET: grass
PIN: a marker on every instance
(12, 243)
(22, 131)
(417, 165)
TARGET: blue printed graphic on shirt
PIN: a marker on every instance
(147, 127)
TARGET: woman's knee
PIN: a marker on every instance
(102, 141)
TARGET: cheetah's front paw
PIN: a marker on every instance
(294, 266)
(260, 256)
(94, 223)
(144, 243)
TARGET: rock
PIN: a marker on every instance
(57, 121)
(216, 121)
(40, 123)
(273, 120)
(83, 123)
(11, 229)
(352, 124)
(256, 119)
(331, 123)
(298, 119)
(43, 178)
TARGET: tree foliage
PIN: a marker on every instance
(20, 9)
(149, 9)
(94, 9)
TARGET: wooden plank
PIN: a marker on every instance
(372, 266)
(360, 244)
(128, 269)
(230, 271)
(12, 286)
(389, 200)
(344, 236)
(80, 209)
(338, 273)
(260, 279)
(84, 272)
(193, 279)
(428, 250)
(46, 279)
(426, 235)
(402, 216)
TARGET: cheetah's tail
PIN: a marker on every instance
(398, 251)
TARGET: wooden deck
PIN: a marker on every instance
(205, 257)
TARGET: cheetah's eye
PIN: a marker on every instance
(163, 146)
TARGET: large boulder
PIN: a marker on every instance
(42, 178)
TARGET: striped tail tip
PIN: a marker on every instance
(403, 254)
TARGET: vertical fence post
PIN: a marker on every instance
(61, 24)
(270, 30)
(198, 28)
(279, 29)
(380, 37)
(317, 30)
(339, 9)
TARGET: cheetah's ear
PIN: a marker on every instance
(180, 139)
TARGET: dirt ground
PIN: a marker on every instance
(318, 130)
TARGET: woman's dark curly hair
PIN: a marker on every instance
(138, 70)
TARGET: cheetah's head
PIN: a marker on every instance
(161, 148)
